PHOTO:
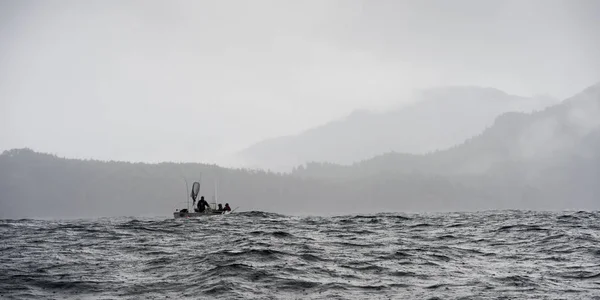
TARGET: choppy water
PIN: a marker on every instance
(524, 255)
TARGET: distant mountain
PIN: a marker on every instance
(546, 160)
(543, 160)
(441, 118)
(546, 138)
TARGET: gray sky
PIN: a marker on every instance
(194, 80)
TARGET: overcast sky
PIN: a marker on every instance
(195, 80)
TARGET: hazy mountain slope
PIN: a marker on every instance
(440, 119)
(538, 139)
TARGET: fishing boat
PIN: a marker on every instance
(211, 211)
(184, 213)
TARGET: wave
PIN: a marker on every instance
(264, 255)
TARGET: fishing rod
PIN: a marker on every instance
(187, 193)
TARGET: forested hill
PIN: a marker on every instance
(34, 185)
(41, 185)
(37, 184)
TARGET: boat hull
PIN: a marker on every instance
(182, 214)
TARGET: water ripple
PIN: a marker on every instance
(258, 255)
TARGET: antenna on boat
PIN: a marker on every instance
(216, 195)
(187, 193)
(200, 182)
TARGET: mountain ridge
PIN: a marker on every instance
(534, 134)
(338, 141)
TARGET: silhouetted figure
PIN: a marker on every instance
(202, 205)
(220, 208)
(227, 208)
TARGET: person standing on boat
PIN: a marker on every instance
(227, 208)
(220, 208)
(202, 205)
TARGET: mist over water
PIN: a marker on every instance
(254, 255)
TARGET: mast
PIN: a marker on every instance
(187, 194)
(200, 187)
(215, 195)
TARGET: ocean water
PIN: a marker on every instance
(255, 255)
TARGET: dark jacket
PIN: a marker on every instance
(202, 205)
